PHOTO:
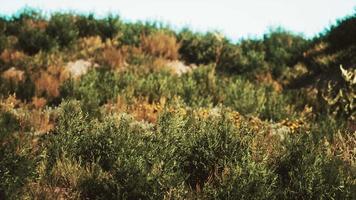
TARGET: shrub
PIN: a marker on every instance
(245, 180)
(3, 39)
(61, 27)
(305, 172)
(47, 85)
(198, 48)
(24, 90)
(25, 17)
(98, 87)
(106, 28)
(33, 40)
(132, 33)
(340, 98)
(283, 49)
(246, 57)
(15, 164)
(161, 44)
(339, 36)
(110, 27)
(199, 147)
(87, 25)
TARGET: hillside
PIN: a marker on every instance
(105, 109)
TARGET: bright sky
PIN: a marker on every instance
(234, 18)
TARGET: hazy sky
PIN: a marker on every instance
(234, 18)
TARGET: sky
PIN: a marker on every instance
(234, 18)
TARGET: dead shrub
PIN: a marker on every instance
(47, 84)
(343, 146)
(10, 56)
(40, 24)
(40, 121)
(161, 44)
(38, 102)
(115, 58)
(14, 74)
(88, 46)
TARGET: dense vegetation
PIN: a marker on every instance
(104, 109)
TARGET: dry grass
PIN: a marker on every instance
(113, 57)
(140, 109)
(344, 147)
(88, 46)
(9, 103)
(38, 102)
(41, 121)
(268, 80)
(10, 56)
(14, 74)
(161, 44)
(47, 84)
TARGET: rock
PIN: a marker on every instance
(79, 68)
(179, 68)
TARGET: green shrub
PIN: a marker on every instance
(246, 57)
(257, 100)
(110, 26)
(339, 36)
(198, 48)
(305, 172)
(94, 89)
(16, 166)
(24, 90)
(199, 148)
(106, 28)
(132, 32)
(87, 25)
(97, 185)
(245, 180)
(2, 43)
(61, 27)
(283, 49)
(32, 40)
(2, 34)
(15, 23)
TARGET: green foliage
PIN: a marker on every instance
(245, 180)
(15, 166)
(2, 34)
(2, 43)
(219, 131)
(24, 90)
(16, 22)
(32, 40)
(132, 32)
(62, 28)
(94, 89)
(108, 27)
(87, 25)
(244, 58)
(340, 36)
(305, 172)
(198, 48)
(283, 49)
(258, 100)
